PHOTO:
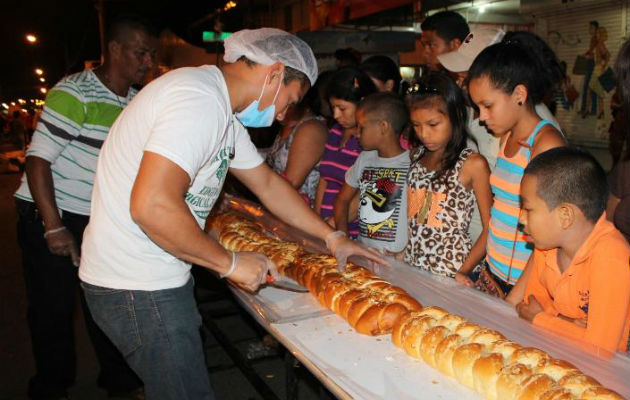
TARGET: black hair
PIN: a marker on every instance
(290, 74)
(118, 29)
(448, 25)
(570, 175)
(508, 64)
(387, 107)
(594, 23)
(350, 84)
(439, 90)
(348, 57)
(383, 68)
(622, 71)
(317, 95)
(554, 74)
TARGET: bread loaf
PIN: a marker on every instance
(369, 303)
(479, 358)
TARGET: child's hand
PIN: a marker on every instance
(463, 279)
(581, 322)
(529, 311)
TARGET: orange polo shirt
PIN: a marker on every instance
(594, 288)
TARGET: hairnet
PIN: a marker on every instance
(268, 45)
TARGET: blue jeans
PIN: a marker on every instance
(158, 334)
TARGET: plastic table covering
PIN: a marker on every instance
(352, 365)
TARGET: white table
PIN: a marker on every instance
(356, 366)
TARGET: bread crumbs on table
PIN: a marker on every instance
(434, 382)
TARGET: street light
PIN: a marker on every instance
(31, 38)
(42, 79)
(39, 71)
(43, 90)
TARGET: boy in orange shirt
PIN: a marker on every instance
(580, 281)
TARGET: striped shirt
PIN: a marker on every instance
(335, 162)
(508, 247)
(73, 125)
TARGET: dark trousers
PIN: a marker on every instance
(51, 289)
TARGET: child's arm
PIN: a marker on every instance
(607, 307)
(476, 170)
(342, 205)
(319, 196)
(516, 295)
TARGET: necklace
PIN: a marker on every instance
(104, 78)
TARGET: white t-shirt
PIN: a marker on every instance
(185, 116)
(382, 183)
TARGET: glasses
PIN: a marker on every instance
(417, 88)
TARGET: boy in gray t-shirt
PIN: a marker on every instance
(379, 175)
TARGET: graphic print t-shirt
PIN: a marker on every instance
(382, 184)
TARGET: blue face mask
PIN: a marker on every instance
(252, 117)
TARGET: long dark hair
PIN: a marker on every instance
(554, 74)
(622, 70)
(437, 89)
(508, 64)
(382, 68)
(350, 84)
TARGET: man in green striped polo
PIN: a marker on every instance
(53, 204)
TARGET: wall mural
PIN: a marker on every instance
(588, 104)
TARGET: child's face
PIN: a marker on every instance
(344, 112)
(431, 127)
(497, 109)
(542, 224)
(368, 130)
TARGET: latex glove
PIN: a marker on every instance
(250, 270)
(341, 248)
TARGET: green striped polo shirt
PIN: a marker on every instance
(72, 127)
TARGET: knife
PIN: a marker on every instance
(285, 283)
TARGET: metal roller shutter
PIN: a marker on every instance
(566, 31)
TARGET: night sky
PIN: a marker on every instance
(68, 34)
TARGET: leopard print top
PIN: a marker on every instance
(439, 213)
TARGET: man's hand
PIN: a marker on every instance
(62, 243)
(463, 279)
(529, 311)
(341, 248)
(251, 270)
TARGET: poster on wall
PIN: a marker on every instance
(587, 43)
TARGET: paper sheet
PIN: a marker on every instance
(433, 290)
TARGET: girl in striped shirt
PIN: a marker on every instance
(346, 88)
(505, 81)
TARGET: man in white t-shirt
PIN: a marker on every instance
(159, 174)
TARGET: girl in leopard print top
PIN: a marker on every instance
(446, 180)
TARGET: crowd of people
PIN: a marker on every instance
(463, 173)
(436, 175)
